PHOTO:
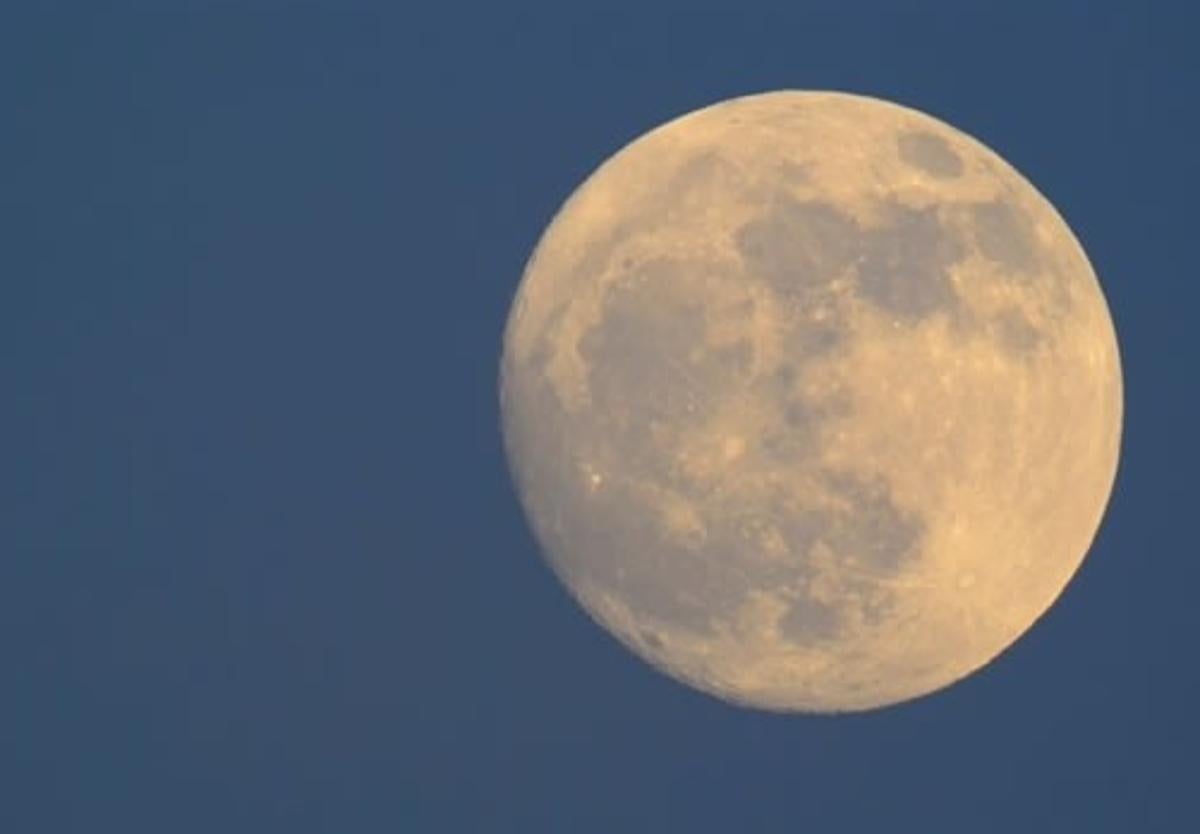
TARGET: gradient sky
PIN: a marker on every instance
(261, 565)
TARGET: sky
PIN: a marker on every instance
(262, 567)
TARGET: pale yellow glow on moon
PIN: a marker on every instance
(812, 400)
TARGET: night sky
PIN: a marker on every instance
(262, 568)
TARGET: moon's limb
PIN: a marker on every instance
(812, 400)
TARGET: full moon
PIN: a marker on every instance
(811, 400)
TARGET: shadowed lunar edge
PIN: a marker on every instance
(650, 362)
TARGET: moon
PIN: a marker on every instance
(811, 400)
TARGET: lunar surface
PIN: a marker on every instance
(811, 400)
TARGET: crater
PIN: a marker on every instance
(651, 639)
(929, 153)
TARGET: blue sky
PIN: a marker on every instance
(261, 565)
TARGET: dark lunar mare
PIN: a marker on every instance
(652, 371)
(930, 153)
(799, 247)
(649, 362)
(1005, 235)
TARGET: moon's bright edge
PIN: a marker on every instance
(812, 400)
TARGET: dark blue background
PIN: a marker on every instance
(261, 566)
